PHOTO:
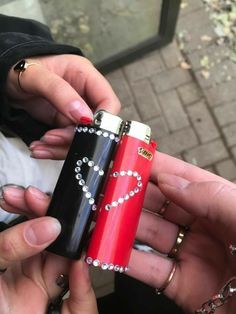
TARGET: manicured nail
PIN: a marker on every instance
(79, 110)
(86, 120)
(52, 139)
(37, 193)
(173, 181)
(42, 231)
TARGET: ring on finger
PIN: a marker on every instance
(20, 68)
(175, 249)
(168, 280)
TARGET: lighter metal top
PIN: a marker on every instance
(108, 121)
(138, 130)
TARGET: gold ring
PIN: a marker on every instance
(168, 280)
(21, 67)
(175, 249)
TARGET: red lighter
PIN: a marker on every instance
(120, 209)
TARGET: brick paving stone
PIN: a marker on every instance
(215, 54)
(170, 79)
(227, 169)
(219, 73)
(171, 55)
(178, 141)
(159, 128)
(189, 93)
(144, 67)
(207, 154)
(223, 93)
(226, 113)
(193, 36)
(130, 113)
(195, 18)
(120, 86)
(233, 151)
(173, 110)
(203, 122)
(230, 134)
(192, 5)
(146, 100)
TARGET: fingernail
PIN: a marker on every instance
(15, 191)
(173, 181)
(42, 231)
(41, 154)
(86, 120)
(37, 193)
(53, 139)
(79, 110)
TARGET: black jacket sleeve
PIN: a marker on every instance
(22, 38)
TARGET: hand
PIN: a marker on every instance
(61, 90)
(29, 283)
(206, 204)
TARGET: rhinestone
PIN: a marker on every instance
(85, 129)
(99, 132)
(117, 139)
(121, 269)
(116, 268)
(91, 163)
(135, 173)
(129, 173)
(79, 129)
(108, 207)
(105, 134)
(139, 177)
(114, 204)
(136, 190)
(78, 176)
(88, 195)
(85, 159)
(85, 188)
(126, 197)
(121, 200)
(96, 168)
(91, 201)
(81, 182)
(131, 193)
(96, 262)
(91, 130)
(94, 207)
(79, 163)
(77, 169)
(110, 266)
(101, 172)
(140, 183)
(115, 174)
(104, 266)
(89, 260)
(126, 268)
(112, 136)
(123, 173)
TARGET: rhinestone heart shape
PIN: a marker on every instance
(81, 181)
(129, 194)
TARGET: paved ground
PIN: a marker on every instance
(192, 111)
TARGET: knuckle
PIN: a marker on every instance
(8, 249)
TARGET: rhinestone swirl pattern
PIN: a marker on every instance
(106, 266)
(129, 194)
(81, 181)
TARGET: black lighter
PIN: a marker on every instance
(80, 182)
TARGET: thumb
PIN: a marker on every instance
(212, 200)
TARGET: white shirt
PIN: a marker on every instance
(17, 167)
